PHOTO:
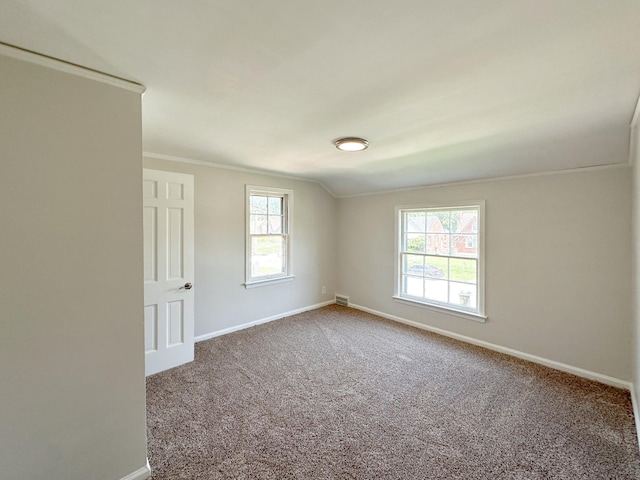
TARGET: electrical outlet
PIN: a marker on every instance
(324, 290)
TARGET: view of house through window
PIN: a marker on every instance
(268, 237)
(439, 257)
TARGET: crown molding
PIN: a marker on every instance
(491, 179)
(255, 171)
(71, 68)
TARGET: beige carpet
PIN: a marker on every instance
(339, 394)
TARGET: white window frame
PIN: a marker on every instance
(287, 226)
(477, 314)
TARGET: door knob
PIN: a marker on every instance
(186, 286)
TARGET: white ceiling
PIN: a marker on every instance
(444, 90)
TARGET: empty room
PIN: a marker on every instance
(319, 240)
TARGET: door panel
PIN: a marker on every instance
(150, 328)
(168, 267)
(175, 322)
(150, 244)
(175, 234)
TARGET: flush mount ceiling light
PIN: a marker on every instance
(351, 144)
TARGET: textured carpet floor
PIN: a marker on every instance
(339, 394)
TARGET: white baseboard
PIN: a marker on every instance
(219, 333)
(615, 382)
(636, 412)
(140, 474)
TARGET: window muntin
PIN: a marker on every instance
(440, 260)
(268, 234)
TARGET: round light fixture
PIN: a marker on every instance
(351, 144)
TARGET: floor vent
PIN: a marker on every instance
(342, 300)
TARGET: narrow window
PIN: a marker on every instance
(268, 243)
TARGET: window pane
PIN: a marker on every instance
(257, 224)
(415, 222)
(413, 264)
(436, 290)
(466, 245)
(434, 222)
(438, 243)
(466, 221)
(461, 270)
(436, 267)
(275, 206)
(258, 204)
(275, 224)
(463, 294)
(267, 255)
(413, 286)
(415, 242)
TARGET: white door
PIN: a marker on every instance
(168, 269)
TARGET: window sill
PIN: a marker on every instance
(440, 309)
(268, 281)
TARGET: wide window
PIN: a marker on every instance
(440, 257)
(268, 243)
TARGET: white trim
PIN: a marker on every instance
(279, 316)
(581, 372)
(636, 411)
(633, 138)
(490, 179)
(636, 114)
(633, 142)
(67, 67)
(140, 474)
(442, 309)
(268, 281)
(254, 171)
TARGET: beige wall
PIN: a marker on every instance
(221, 301)
(557, 264)
(71, 359)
